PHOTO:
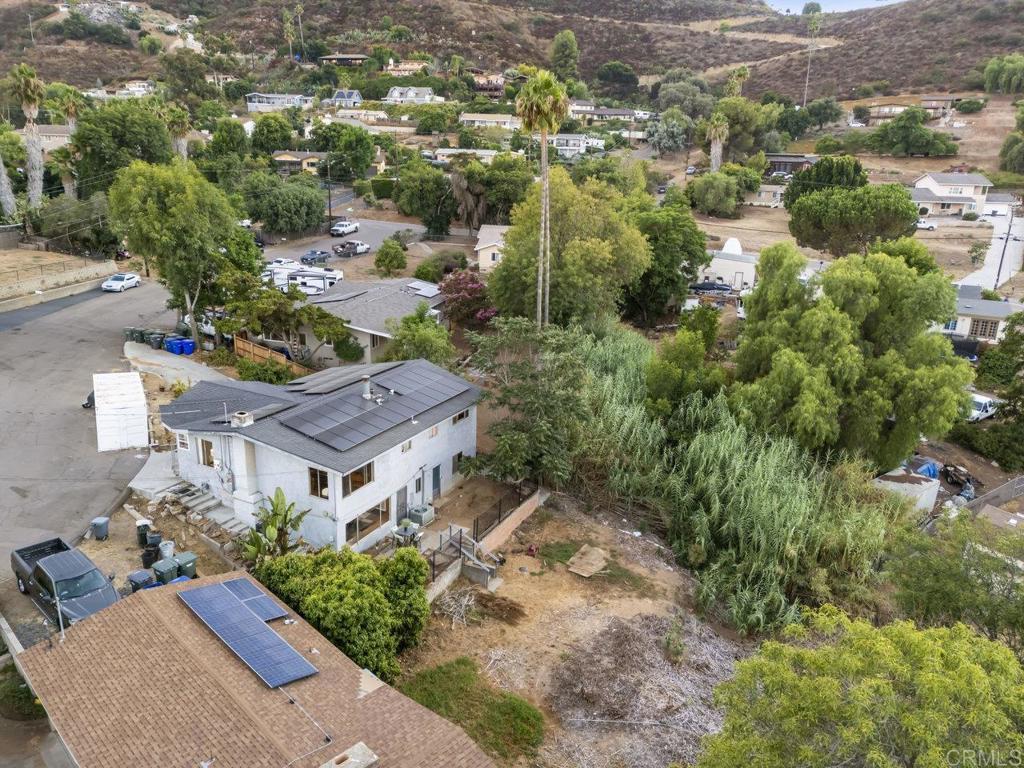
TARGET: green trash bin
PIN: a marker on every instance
(165, 570)
(139, 335)
(128, 333)
(186, 563)
(156, 340)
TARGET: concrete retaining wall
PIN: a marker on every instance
(445, 579)
(46, 283)
(500, 533)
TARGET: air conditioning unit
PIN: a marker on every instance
(422, 514)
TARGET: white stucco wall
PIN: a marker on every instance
(249, 472)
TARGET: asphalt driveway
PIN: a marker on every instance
(52, 479)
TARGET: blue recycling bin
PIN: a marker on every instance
(188, 346)
(169, 341)
(176, 346)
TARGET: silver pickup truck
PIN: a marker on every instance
(62, 581)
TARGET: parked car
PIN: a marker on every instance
(982, 407)
(247, 223)
(121, 255)
(279, 262)
(691, 169)
(206, 326)
(341, 228)
(122, 281)
(857, 124)
(662, 189)
(315, 257)
(356, 247)
(65, 584)
(925, 224)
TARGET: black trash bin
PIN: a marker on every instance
(153, 538)
(139, 579)
(156, 340)
(150, 555)
(141, 529)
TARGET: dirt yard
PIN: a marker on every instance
(756, 229)
(951, 241)
(557, 639)
(22, 264)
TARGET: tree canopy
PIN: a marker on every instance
(842, 220)
(565, 55)
(596, 252)
(856, 367)
(843, 692)
(906, 134)
(833, 171)
(1005, 74)
(111, 136)
(426, 192)
(270, 133)
(420, 336)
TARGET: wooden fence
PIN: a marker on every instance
(260, 354)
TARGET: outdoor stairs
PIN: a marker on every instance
(204, 503)
(457, 541)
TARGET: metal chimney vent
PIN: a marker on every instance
(241, 419)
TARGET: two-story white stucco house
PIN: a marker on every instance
(490, 242)
(478, 120)
(273, 102)
(357, 446)
(979, 319)
(950, 193)
(412, 95)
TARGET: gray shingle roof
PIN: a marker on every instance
(1000, 197)
(970, 304)
(970, 179)
(924, 195)
(368, 306)
(299, 418)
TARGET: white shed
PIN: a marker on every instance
(122, 420)
(921, 490)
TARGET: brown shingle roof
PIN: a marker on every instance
(145, 682)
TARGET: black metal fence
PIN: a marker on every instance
(509, 502)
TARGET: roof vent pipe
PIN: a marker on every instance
(367, 394)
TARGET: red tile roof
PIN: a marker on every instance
(145, 683)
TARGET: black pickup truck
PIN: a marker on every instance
(61, 578)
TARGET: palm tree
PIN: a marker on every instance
(543, 105)
(178, 125)
(29, 90)
(63, 161)
(717, 133)
(69, 104)
(734, 87)
(8, 204)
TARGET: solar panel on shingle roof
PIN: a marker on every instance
(263, 650)
(253, 598)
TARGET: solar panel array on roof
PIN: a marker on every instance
(263, 650)
(253, 598)
(347, 419)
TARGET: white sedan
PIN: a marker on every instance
(122, 281)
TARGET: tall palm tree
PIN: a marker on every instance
(29, 90)
(8, 204)
(69, 104)
(63, 161)
(717, 133)
(543, 105)
(178, 125)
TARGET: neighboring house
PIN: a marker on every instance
(368, 308)
(347, 99)
(505, 122)
(485, 156)
(146, 682)
(579, 108)
(604, 114)
(938, 105)
(879, 114)
(412, 95)
(272, 102)
(979, 319)
(404, 68)
(489, 83)
(289, 161)
(133, 89)
(766, 196)
(572, 144)
(950, 193)
(357, 446)
(731, 266)
(998, 204)
(344, 59)
(248, 124)
(51, 137)
(490, 241)
(785, 163)
(363, 115)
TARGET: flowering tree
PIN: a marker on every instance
(465, 296)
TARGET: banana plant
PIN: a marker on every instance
(277, 520)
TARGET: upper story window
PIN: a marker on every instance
(407, 446)
(318, 485)
(460, 416)
(206, 453)
(183, 441)
(356, 479)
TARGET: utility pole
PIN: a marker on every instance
(330, 203)
(813, 25)
(302, 43)
(1006, 242)
(31, 32)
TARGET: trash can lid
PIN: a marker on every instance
(142, 522)
(100, 520)
(165, 565)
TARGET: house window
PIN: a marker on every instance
(984, 329)
(956, 190)
(369, 521)
(456, 461)
(495, 256)
(951, 325)
(302, 339)
(356, 479)
(318, 483)
(182, 441)
(375, 341)
(460, 416)
(206, 453)
(407, 446)
(433, 431)
(419, 485)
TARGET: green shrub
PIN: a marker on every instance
(435, 267)
(222, 356)
(370, 609)
(390, 258)
(503, 724)
(1001, 442)
(971, 216)
(269, 371)
(17, 702)
(150, 45)
(969, 106)
(382, 187)
(828, 145)
(996, 368)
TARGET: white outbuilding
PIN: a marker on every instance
(122, 420)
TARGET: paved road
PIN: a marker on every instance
(996, 262)
(370, 231)
(52, 479)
